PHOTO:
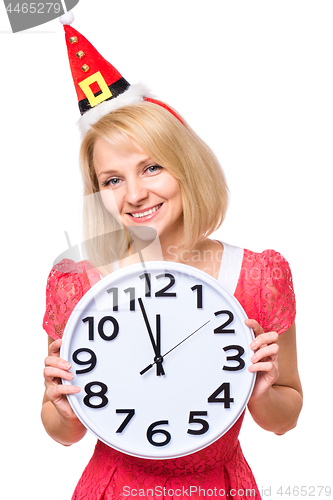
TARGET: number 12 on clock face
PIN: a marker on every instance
(161, 356)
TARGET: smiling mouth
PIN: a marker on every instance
(140, 215)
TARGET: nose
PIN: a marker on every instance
(136, 191)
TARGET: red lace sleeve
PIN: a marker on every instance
(66, 285)
(265, 290)
(277, 298)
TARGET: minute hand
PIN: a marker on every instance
(173, 348)
(156, 346)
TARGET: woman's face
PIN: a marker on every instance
(137, 191)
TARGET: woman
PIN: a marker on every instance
(143, 166)
(147, 168)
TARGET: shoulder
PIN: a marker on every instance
(268, 266)
(267, 256)
(74, 273)
(67, 282)
(266, 288)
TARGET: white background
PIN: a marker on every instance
(254, 78)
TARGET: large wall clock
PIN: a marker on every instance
(161, 354)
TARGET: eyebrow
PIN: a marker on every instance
(108, 172)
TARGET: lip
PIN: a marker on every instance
(140, 220)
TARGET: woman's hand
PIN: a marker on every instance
(55, 370)
(59, 420)
(265, 359)
(276, 400)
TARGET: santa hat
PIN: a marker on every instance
(100, 88)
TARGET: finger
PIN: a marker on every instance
(50, 373)
(257, 329)
(266, 352)
(55, 392)
(264, 366)
(57, 363)
(54, 348)
(263, 340)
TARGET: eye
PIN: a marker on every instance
(153, 169)
(114, 182)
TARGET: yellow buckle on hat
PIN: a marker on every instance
(85, 86)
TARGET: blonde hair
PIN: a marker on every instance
(171, 144)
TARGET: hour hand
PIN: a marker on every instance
(158, 358)
(156, 346)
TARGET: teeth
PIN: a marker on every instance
(148, 212)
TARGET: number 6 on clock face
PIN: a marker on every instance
(161, 355)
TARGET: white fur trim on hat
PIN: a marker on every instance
(134, 94)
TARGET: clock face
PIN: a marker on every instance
(161, 354)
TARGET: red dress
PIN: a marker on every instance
(265, 291)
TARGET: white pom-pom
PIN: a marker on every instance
(67, 18)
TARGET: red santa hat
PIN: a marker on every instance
(99, 86)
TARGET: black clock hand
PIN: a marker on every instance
(158, 359)
(152, 364)
(144, 314)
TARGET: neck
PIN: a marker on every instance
(172, 243)
(206, 255)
